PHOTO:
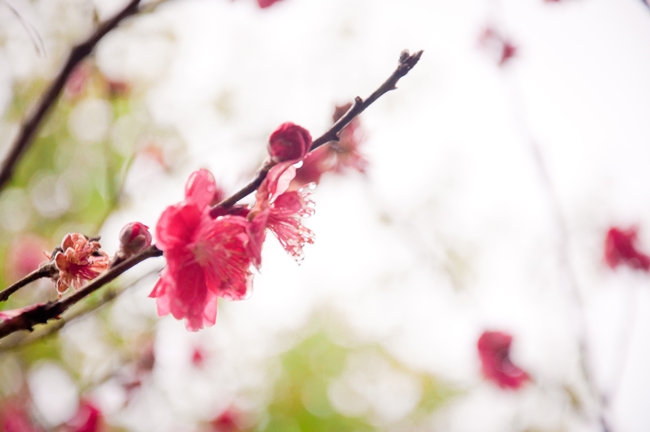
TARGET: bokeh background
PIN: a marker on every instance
(494, 173)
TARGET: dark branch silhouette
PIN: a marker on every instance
(32, 124)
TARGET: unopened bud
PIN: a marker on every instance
(289, 142)
(134, 238)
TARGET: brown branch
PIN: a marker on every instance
(41, 314)
(48, 270)
(406, 62)
(107, 297)
(34, 121)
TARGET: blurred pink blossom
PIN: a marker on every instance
(494, 41)
(88, 418)
(620, 249)
(263, 4)
(494, 352)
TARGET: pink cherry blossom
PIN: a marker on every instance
(281, 211)
(79, 261)
(206, 257)
(620, 249)
(494, 352)
(88, 418)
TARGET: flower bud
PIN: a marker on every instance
(289, 142)
(134, 238)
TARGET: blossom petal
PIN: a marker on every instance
(177, 225)
(200, 188)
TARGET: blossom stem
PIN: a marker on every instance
(45, 271)
(34, 121)
(41, 314)
(407, 62)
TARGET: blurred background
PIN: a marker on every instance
(493, 176)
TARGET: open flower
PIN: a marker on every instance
(494, 352)
(620, 249)
(79, 261)
(206, 258)
(281, 211)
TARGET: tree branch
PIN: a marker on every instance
(107, 297)
(41, 314)
(406, 62)
(34, 121)
(48, 270)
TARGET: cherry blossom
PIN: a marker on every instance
(206, 257)
(79, 260)
(494, 352)
(620, 249)
(281, 211)
(88, 418)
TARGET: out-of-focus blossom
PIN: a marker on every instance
(228, 421)
(494, 352)
(14, 418)
(206, 258)
(266, 3)
(281, 211)
(494, 41)
(77, 81)
(289, 142)
(198, 356)
(117, 88)
(80, 261)
(620, 249)
(134, 238)
(336, 156)
(27, 254)
(88, 418)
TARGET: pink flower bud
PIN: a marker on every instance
(134, 238)
(289, 142)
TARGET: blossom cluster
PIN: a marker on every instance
(211, 250)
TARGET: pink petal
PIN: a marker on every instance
(200, 188)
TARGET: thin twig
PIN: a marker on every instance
(48, 270)
(33, 122)
(41, 314)
(406, 62)
(107, 297)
